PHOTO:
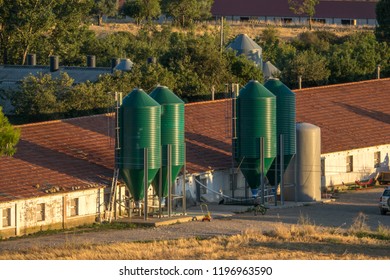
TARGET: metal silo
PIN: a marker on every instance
(140, 125)
(172, 133)
(285, 125)
(308, 162)
(256, 109)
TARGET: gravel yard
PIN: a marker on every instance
(339, 213)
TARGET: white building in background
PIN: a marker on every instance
(62, 171)
(342, 12)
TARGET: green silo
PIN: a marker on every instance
(285, 124)
(172, 132)
(140, 126)
(256, 109)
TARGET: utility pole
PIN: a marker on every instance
(221, 34)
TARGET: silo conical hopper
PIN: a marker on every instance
(256, 109)
(172, 133)
(140, 125)
(285, 124)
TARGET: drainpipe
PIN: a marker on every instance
(54, 63)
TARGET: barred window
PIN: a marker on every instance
(74, 207)
(40, 212)
(6, 217)
(349, 163)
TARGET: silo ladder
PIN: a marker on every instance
(114, 185)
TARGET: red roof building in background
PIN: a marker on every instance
(349, 12)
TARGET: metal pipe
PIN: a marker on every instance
(222, 34)
(296, 176)
(31, 59)
(160, 194)
(169, 178)
(54, 63)
(146, 185)
(184, 184)
(91, 61)
(281, 169)
(276, 180)
(262, 169)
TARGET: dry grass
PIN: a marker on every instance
(253, 30)
(285, 242)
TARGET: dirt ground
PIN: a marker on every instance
(338, 214)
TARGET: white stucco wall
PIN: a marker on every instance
(363, 165)
(335, 173)
(24, 213)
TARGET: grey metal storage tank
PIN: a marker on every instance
(285, 125)
(308, 162)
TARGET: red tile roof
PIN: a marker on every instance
(78, 153)
(58, 156)
(350, 116)
(348, 9)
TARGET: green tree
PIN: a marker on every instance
(69, 34)
(43, 27)
(312, 67)
(357, 58)
(382, 30)
(185, 12)
(198, 56)
(87, 99)
(21, 24)
(307, 7)
(9, 136)
(132, 8)
(104, 7)
(156, 74)
(42, 97)
(142, 9)
(242, 69)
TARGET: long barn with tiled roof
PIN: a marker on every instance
(61, 172)
(349, 12)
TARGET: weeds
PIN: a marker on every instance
(383, 232)
(282, 242)
(359, 226)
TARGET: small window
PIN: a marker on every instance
(287, 20)
(7, 217)
(322, 167)
(349, 163)
(74, 207)
(377, 159)
(244, 19)
(319, 20)
(40, 212)
(347, 22)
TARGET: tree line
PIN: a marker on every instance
(192, 65)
